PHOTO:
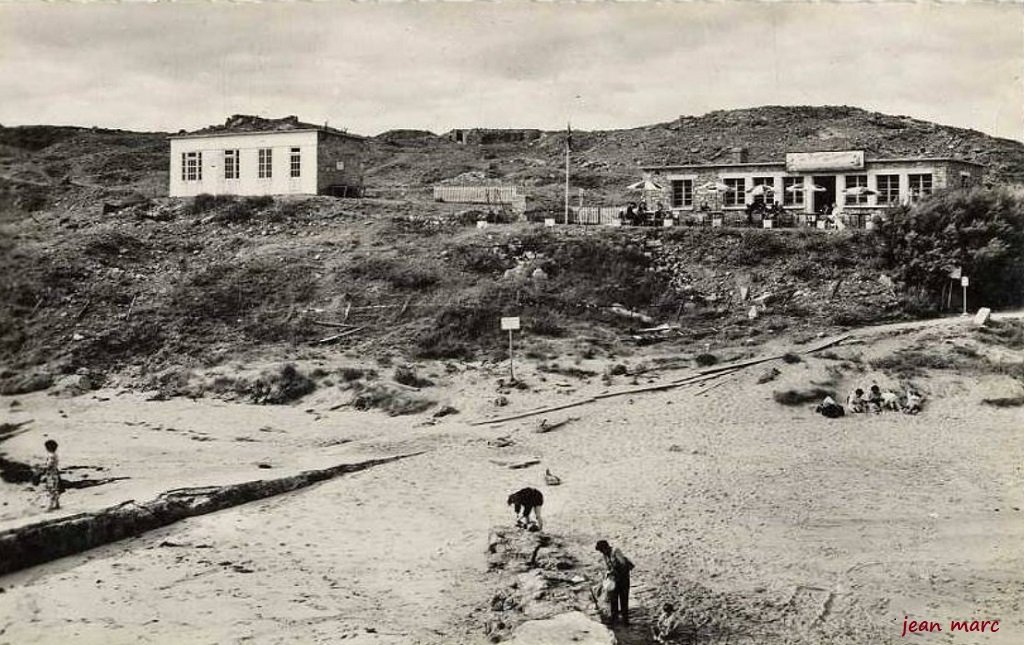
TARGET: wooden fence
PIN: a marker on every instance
(593, 214)
(477, 194)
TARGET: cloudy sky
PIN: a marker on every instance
(372, 67)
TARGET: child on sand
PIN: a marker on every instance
(855, 402)
(51, 475)
(527, 499)
(667, 625)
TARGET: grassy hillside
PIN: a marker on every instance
(169, 282)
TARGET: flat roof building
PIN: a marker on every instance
(809, 182)
(250, 155)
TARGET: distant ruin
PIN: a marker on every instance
(486, 136)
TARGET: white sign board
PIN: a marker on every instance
(549, 221)
(964, 282)
(510, 323)
(766, 223)
(815, 161)
(667, 222)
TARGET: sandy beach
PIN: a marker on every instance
(801, 529)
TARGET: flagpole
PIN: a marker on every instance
(567, 184)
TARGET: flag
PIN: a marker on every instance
(568, 137)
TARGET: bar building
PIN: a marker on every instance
(824, 176)
(250, 155)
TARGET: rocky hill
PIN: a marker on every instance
(604, 162)
(38, 162)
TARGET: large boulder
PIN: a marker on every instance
(571, 627)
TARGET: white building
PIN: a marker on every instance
(253, 156)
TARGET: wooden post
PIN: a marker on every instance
(511, 359)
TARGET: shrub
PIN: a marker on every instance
(349, 374)
(705, 360)
(394, 402)
(245, 209)
(911, 362)
(399, 273)
(800, 397)
(282, 386)
(980, 230)
(1005, 402)
(204, 202)
(407, 376)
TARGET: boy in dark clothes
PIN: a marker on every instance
(619, 567)
(527, 499)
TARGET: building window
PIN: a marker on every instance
(266, 163)
(920, 185)
(230, 164)
(888, 187)
(736, 195)
(768, 197)
(191, 166)
(296, 162)
(682, 193)
(856, 181)
(791, 196)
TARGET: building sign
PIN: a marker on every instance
(510, 323)
(824, 161)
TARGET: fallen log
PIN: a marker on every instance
(701, 375)
(41, 542)
(341, 335)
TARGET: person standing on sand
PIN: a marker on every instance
(527, 499)
(619, 567)
(51, 475)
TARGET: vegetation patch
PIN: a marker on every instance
(406, 375)
(1005, 402)
(389, 399)
(800, 397)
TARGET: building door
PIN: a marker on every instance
(824, 198)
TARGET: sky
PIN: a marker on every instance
(370, 67)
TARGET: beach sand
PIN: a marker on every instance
(807, 530)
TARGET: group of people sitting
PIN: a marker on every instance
(759, 209)
(875, 401)
(637, 214)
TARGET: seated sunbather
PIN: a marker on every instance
(855, 401)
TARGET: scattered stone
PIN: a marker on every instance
(445, 411)
(982, 317)
(768, 375)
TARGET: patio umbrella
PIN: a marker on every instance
(714, 186)
(644, 185)
(860, 190)
(760, 189)
(796, 188)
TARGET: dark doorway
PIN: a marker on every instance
(824, 198)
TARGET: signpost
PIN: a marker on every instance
(964, 282)
(511, 324)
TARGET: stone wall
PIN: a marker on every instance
(340, 165)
